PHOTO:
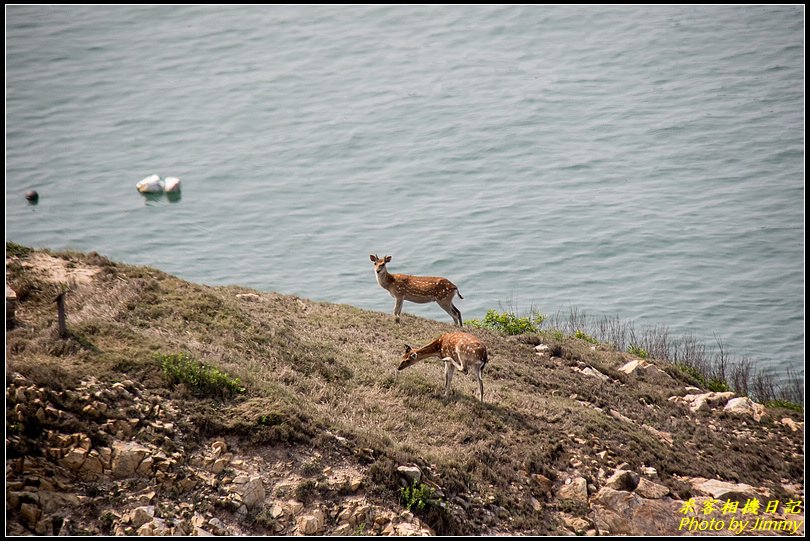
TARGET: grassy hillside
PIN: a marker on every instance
(316, 373)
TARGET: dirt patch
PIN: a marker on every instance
(58, 271)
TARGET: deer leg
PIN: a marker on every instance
(398, 308)
(449, 369)
(480, 382)
(454, 362)
(458, 315)
(447, 306)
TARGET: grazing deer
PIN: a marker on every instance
(458, 350)
(419, 289)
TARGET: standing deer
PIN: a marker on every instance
(458, 350)
(419, 289)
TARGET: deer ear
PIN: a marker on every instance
(373, 258)
(407, 348)
(387, 258)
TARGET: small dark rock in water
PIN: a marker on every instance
(32, 196)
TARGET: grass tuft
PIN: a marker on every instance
(509, 322)
(202, 380)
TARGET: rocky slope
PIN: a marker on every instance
(574, 438)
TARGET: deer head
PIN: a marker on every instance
(379, 263)
(409, 358)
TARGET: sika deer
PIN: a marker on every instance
(419, 289)
(458, 350)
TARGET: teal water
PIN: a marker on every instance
(639, 161)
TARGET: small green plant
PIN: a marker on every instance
(638, 351)
(306, 490)
(582, 335)
(713, 384)
(17, 250)
(787, 404)
(417, 496)
(558, 335)
(509, 323)
(202, 380)
(717, 385)
(311, 469)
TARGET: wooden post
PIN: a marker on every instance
(60, 314)
(11, 307)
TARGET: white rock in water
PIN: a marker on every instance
(172, 184)
(151, 184)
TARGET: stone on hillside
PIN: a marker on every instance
(791, 424)
(575, 489)
(578, 525)
(92, 469)
(30, 514)
(355, 483)
(157, 526)
(666, 437)
(276, 511)
(74, 459)
(697, 402)
(251, 490)
(412, 474)
(219, 447)
(724, 490)
(623, 480)
(593, 372)
(141, 515)
(217, 526)
(649, 471)
(309, 524)
(646, 371)
(624, 513)
(543, 482)
(294, 507)
(126, 458)
(52, 502)
(745, 406)
(648, 489)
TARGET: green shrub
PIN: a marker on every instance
(717, 385)
(712, 384)
(787, 404)
(637, 350)
(417, 496)
(583, 336)
(509, 323)
(558, 335)
(17, 250)
(306, 490)
(201, 379)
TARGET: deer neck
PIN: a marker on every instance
(384, 279)
(430, 350)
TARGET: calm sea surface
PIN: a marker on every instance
(644, 162)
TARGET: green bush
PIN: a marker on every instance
(584, 336)
(637, 350)
(787, 404)
(558, 335)
(509, 323)
(201, 379)
(713, 384)
(417, 496)
(17, 250)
